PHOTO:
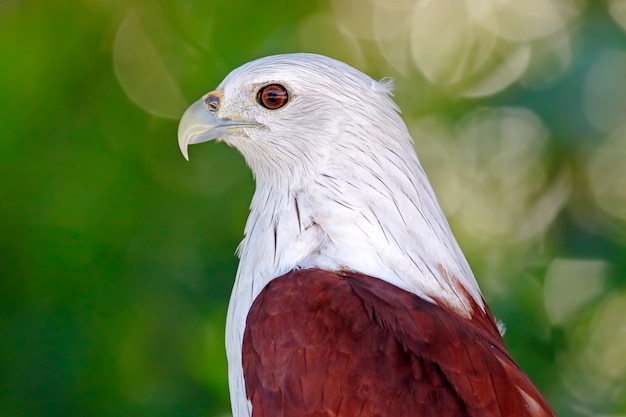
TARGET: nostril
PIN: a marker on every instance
(211, 103)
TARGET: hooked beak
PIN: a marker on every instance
(201, 123)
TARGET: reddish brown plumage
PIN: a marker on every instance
(323, 344)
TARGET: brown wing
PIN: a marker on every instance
(323, 344)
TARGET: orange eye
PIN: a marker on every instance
(273, 96)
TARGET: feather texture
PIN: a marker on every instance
(324, 344)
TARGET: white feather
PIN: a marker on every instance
(339, 187)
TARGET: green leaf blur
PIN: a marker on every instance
(117, 255)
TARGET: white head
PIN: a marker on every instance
(323, 98)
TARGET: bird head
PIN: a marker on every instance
(293, 114)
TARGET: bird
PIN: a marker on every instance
(352, 296)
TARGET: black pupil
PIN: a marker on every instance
(272, 96)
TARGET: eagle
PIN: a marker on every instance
(352, 296)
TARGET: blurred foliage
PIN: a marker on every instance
(116, 255)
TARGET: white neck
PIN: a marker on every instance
(390, 227)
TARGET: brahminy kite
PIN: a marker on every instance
(352, 297)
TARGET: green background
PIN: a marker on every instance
(117, 255)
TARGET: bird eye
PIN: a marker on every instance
(273, 96)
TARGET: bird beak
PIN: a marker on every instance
(201, 123)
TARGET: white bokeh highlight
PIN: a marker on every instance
(472, 48)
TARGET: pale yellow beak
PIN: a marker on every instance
(201, 122)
